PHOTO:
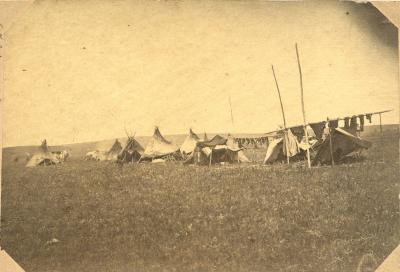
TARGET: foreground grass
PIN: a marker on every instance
(182, 218)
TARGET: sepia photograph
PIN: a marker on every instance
(167, 135)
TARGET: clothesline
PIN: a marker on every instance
(370, 113)
(328, 119)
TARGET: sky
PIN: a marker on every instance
(77, 71)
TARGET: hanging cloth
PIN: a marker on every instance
(347, 122)
(290, 144)
(333, 123)
(298, 132)
(353, 122)
(361, 117)
(369, 117)
(318, 129)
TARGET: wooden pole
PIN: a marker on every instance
(331, 146)
(381, 130)
(283, 114)
(302, 107)
(230, 105)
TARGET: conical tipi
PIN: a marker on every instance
(190, 143)
(43, 158)
(159, 147)
(131, 152)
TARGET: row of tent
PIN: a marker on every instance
(195, 150)
(227, 149)
(327, 145)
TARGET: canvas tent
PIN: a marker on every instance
(199, 156)
(343, 143)
(158, 147)
(223, 154)
(105, 155)
(274, 151)
(114, 150)
(241, 157)
(216, 140)
(131, 152)
(43, 158)
(189, 144)
(280, 148)
(216, 150)
(288, 143)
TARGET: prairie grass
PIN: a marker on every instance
(147, 217)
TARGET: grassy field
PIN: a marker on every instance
(172, 217)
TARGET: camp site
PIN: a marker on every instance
(189, 199)
(200, 136)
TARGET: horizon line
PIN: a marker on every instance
(174, 134)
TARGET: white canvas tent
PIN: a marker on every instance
(273, 151)
(189, 144)
(105, 155)
(43, 158)
(159, 147)
(233, 145)
(216, 150)
(287, 145)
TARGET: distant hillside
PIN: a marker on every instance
(78, 150)
(374, 131)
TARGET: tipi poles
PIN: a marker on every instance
(283, 114)
(302, 107)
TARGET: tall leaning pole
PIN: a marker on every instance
(302, 107)
(283, 112)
